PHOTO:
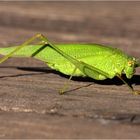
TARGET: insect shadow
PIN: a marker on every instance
(115, 81)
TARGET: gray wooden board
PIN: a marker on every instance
(30, 106)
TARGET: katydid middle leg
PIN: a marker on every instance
(62, 91)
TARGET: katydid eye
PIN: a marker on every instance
(130, 63)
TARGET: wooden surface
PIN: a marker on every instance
(30, 106)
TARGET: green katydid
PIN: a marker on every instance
(92, 60)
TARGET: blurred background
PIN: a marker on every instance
(113, 23)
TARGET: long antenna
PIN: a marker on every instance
(137, 63)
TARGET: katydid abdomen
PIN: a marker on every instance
(107, 59)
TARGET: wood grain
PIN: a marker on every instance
(30, 106)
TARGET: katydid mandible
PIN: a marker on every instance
(88, 60)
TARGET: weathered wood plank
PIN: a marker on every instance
(30, 106)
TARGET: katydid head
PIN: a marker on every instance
(130, 66)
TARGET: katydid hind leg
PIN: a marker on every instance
(20, 47)
(88, 70)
